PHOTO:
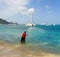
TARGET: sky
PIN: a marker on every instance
(21, 11)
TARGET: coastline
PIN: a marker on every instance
(22, 50)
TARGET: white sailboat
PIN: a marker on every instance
(31, 23)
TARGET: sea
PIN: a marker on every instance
(39, 39)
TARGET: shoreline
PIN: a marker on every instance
(21, 50)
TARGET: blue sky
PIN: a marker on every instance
(20, 11)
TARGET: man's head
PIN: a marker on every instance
(24, 31)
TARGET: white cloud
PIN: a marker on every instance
(16, 2)
(31, 10)
(49, 12)
(46, 6)
(22, 8)
(12, 7)
(26, 11)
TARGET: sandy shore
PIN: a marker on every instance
(7, 50)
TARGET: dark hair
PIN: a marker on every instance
(24, 31)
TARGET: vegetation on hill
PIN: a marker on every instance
(2, 21)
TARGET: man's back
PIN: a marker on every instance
(24, 35)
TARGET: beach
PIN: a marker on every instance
(22, 50)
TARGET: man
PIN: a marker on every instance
(23, 37)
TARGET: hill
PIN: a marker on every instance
(2, 21)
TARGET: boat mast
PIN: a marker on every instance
(31, 18)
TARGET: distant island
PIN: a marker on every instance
(2, 21)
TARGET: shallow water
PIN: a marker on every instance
(23, 50)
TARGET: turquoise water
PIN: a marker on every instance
(40, 36)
